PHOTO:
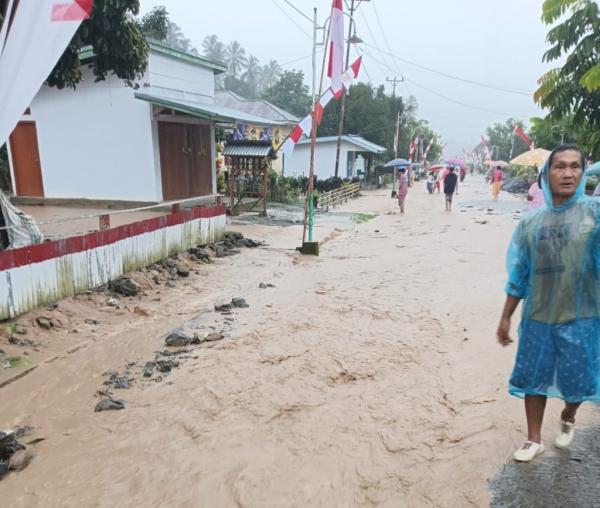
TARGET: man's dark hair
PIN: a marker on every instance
(451, 168)
(566, 148)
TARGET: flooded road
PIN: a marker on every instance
(369, 376)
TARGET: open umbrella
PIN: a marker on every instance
(536, 157)
(437, 168)
(502, 164)
(593, 170)
(397, 163)
(456, 162)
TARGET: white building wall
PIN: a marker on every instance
(184, 80)
(299, 164)
(95, 142)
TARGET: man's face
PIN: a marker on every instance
(565, 174)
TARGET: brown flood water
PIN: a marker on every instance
(368, 376)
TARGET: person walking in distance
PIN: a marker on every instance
(497, 177)
(554, 267)
(402, 189)
(450, 186)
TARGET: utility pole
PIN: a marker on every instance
(314, 57)
(394, 83)
(353, 7)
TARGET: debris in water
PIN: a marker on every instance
(214, 336)
(20, 460)
(262, 285)
(178, 339)
(124, 286)
(240, 303)
(44, 322)
(113, 302)
(109, 405)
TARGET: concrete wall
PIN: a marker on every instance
(95, 142)
(40, 274)
(324, 160)
(184, 80)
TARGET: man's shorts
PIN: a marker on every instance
(558, 360)
(448, 197)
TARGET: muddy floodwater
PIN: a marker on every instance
(369, 376)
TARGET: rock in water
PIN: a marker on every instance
(124, 286)
(183, 272)
(214, 336)
(240, 303)
(178, 339)
(20, 460)
(113, 302)
(44, 322)
(225, 307)
(3, 468)
(109, 405)
(149, 369)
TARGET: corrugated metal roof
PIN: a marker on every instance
(358, 141)
(247, 150)
(258, 107)
(213, 112)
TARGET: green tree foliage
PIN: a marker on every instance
(574, 88)
(155, 24)
(290, 93)
(236, 58)
(214, 49)
(117, 40)
(548, 133)
(501, 135)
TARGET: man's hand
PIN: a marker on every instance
(503, 332)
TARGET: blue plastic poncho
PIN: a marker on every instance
(554, 265)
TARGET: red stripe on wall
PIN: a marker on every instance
(58, 248)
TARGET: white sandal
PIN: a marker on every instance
(528, 451)
(565, 435)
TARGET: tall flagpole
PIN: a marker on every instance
(308, 207)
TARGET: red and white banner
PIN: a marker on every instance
(336, 46)
(413, 149)
(305, 125)
(428, 148)
(40, 32)
(519, 132)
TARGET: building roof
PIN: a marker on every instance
(358, 141)
(249, 149)
(212, 112)
(258, 107)
(87, 53)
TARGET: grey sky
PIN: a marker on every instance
(498, 42)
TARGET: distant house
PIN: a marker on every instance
(108, 141)
(282, 121)
(356, 156)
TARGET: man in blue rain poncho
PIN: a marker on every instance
(554, 265)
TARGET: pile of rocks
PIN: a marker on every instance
(13, 455)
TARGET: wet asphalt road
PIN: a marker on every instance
(557, 479)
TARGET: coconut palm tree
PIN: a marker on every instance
(214, 49)
(270, 74)
(252, 70)
(236, 58)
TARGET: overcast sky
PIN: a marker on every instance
(494, 42)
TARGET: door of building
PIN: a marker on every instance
(185, 159)
(26, 160)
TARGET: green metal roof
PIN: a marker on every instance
(212, 112)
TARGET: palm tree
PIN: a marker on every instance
(214, 49)
(236, 58)
(252, 71)
(270, 74)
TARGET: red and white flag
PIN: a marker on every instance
(39, 34)
(428, 148)
(413, 149)
(305, 125)
(336, 46)
(519, 132)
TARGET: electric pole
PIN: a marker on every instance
(353, 7)
(394, 83)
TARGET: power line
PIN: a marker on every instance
(305, 57)
(450, 99)
(457, 78)
(292, 20)
(298, 11)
